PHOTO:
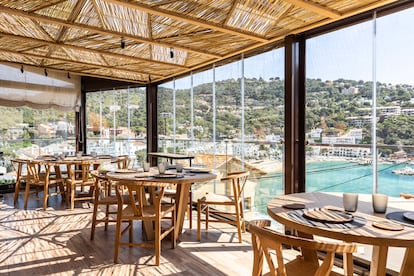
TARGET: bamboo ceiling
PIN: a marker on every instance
(152, 40)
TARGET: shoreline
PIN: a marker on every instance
(276, 166)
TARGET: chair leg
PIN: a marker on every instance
(173, 218)
(198, 220)
(16, 190)
(45, 196)
(72, 197)
(157, 241)
(94, 215)
(117, 240)
(207, 216)
(190, 209)
(107, 217)
(238, 222)
(26, 195)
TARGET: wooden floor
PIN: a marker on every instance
(57, 241)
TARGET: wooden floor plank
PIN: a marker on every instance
(56, 241)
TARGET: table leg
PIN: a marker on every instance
(309, 255)
(181, 201)
(379, 261)
(407, 267)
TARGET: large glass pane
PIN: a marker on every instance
(263, 127)
(339, 110)
(395, 96)
(182, 128)
(165, 117)
(116, 123)
(27, 133)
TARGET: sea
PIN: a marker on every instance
(339, 176)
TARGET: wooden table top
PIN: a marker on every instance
(75, 159)
(361, 230)
(140, 175)
(171, 155)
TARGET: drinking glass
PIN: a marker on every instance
(161, 168)
(146, 166)
(179, 167)
(350, 201)
(379, 203)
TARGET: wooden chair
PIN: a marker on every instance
(20, 166)
(39, 173)
(237, 181)
(123, 162)
(79, 176)
(104, 196)
(140, 208)
(264, 240)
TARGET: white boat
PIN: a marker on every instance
(404, 171)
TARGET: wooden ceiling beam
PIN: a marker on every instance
(316, 8)
(78, 48)
(182, 18)
(102, 31)
(90, 65)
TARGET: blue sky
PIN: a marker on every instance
(346, 53)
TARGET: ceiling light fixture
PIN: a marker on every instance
(171, 53)
(45, 72)
(122, 43)
(21, 69)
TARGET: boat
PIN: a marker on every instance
(404, 171)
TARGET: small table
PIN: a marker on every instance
(364, 233)
(183, 188)
(171, 156)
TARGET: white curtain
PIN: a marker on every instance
(36, 88)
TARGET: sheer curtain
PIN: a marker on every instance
(38, 88)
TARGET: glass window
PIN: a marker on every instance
(116, 123)
(339, 110)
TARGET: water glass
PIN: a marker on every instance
(179, 167)
(379, 203)
(94, 154)
(79, 154)
(146, 166)
(161, 168)
(350, 201)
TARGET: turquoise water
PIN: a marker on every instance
(338, 176)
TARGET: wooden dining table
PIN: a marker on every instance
(171, 156)
(183, 182)
(366, 227)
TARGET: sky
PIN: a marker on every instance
(346, 53)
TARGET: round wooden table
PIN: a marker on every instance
(183, 187)
(361, 230)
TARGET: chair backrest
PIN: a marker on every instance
(102, 187)
(38, 171)
(79, 171)
(264, 240)
(238, 181)
(20, 166)
(137, 192)
(123, 162)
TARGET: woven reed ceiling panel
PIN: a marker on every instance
(151, 40)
